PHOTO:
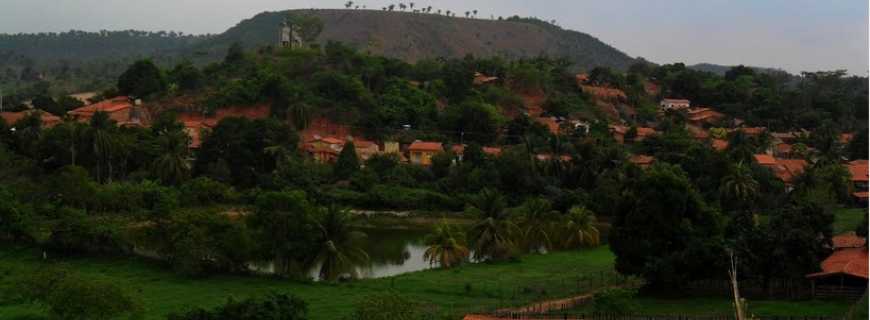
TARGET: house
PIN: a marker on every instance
(787, 137)
(324, 149)
(481, 79)
(619, 133)
(784, 169)
(120, 109)
(421, 152)
(48, 120)
(697, 132)
(547, 157)
(753, 131)
(719, 144)
(674, 104)
(845, 272)
(643, 161)
(581, 126)
(701, 116)
(365, 149)
(459, 151)
(858, 170)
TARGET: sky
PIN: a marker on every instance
(794, 35)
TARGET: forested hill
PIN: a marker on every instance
(75, 46)
(414, 36)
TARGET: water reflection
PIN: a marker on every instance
(391, 252)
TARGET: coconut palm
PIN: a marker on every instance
(172, 166)
(446, 246)
(739, 184)
(492, 235)
(534, 224)
(103, 144)
(579, 229)
(338, 249)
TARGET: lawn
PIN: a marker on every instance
(465, 289)
(721, 306)
(847, 219)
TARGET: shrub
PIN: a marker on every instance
(272, 307)
(614, 301)
(203, 190)
(70, 297)
(387, 306)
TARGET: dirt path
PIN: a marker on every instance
(539, 307)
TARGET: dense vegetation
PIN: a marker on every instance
(99, 189)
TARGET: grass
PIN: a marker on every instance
(847, 219)
(721, 306)
(456, 291)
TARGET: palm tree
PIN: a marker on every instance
(348, 4)
(338, 249)
(467, 13)
(739, 185)
(411, 4)
(172, 166)
(492, 235)
(103, 144)
(446, 246)
(475, 12)
(535, 224)
(580, 230)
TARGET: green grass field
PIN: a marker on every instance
(721, 306)
(491, 285)
(846, 219)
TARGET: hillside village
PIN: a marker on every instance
(546, 191)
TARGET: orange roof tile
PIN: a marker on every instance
(795, 167)
(849, 261)
(764, 159)
(109, 105)
(48, 119)
(644, 132)
(754, 131)
(859, 170)
(675, 101)
(493, 151)
(426, 146)
(720, 144)
(848, 240)
(642, 159)
(783, 148)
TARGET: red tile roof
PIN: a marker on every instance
(859, 170)
(783, 148)
(480, 78)
(861, 195)
(719, 144)
(426, 146)
(795, 167)
(642, 159)
(675, 101)
(48, 119)
(848, 240)
(753, 131)
(644, 132)
(765, 159)
(109, 105)
(849, 261)
(459, 149)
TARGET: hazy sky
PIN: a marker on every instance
(795, 35)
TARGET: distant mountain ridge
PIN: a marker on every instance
(722, 69)
(414, 36)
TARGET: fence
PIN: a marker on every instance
(599, 316)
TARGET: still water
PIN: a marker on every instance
(391, 252)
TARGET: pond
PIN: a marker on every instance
(391, 252)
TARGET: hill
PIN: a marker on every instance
(722, 69)
(414, 36)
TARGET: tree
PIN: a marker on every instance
(579, 229)
(172, 166)
(141, 80)
(338, 251)
(103, 144)
(347, 163)
(273, 306)
(665, 232)
(445, 246)
(186, 76)
(69, 296)
(235, 54)
(492, 236)
(857, 147)
(535, 223)
(738, 186)
(288, 229)
(15, 218)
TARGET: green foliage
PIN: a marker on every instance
(666, 233)
(69, 296)
(288, 229)
(141, 80)
(186, 77)
(476, 121)
(199, 242)
(446, 246)
(205, 191)
(271, 307)
(387, 306)
(614, 301)
(347, 163)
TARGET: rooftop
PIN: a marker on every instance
(108, 105)
(848, 261)
(426, 146)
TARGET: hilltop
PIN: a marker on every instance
(414, 36)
